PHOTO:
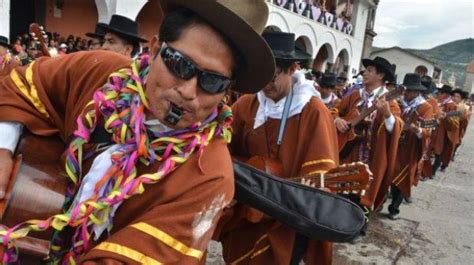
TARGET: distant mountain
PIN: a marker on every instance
(451, 57)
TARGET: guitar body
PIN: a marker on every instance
(36, 191)
(346, 141)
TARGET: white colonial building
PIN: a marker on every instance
(408, 62)
(337, 33)
(334, 32)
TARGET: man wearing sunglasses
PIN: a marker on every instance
(308, 147)
(152, 133)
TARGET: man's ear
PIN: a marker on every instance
(294, 66)
(155, 46)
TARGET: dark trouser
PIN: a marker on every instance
(397, 198)
(437, 163)
(299, 249)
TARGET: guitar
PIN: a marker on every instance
(36, 191)
(40, 36)
(352, 178)
(347, 140)
(433, 123)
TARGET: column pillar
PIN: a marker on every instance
(5, 18)
(126, 8)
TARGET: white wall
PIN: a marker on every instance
(126, 8)
(406, 63)
(5, 18)
(320, 34)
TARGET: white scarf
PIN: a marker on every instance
(329, 99)
(374, 94)
(303, 91)
(413, 104)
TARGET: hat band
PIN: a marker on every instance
(279, 54)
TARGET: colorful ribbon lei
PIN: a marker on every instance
(120, 103)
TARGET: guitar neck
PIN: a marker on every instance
(391, 95)
(366, 112)
(453, 113)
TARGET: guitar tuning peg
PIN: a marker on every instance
(41, 27)
(32, 34)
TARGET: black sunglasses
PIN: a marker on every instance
(183, 68)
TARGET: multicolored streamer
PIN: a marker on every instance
(120, 103)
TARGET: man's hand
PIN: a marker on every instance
(383, 107)
(341, 125)
(6, 165)
(414, 128)
(441, 115)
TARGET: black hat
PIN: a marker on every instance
(381, 64)
(99, 31)
(4, 42)
(283, 46)
(465, 94)
(328, 80)
(446, 89)
(123, 27)
(241, 22)
(413, 82)
(427, 82)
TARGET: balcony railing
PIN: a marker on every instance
(307, 9)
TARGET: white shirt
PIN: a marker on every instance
(303, 91)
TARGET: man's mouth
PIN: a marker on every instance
(174, 114)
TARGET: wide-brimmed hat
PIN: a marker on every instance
(241, 22)
(327, 80)
(283, 46)
(123, 27)
(99, 31)
(427, 82)
(381, 64)
(446, 89)
(413, 82)
(4, 42)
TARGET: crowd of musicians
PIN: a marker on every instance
(405, 133)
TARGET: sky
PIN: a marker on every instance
(423, 24)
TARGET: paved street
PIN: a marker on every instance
(437, 228)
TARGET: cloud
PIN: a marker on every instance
(423, 24)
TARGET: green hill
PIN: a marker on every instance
(451, 57)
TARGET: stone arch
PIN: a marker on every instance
(324, 58)
(279, 21)
(328, 38)
(342, 62)
(421, 70)
(308, 34)
(272, 28)
(304, 43)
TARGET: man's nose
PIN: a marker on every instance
(188, 89)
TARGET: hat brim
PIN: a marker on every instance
(259, 62)
(420, 88)
(5, 44)
(123, 34)
(368, 62)
(94, 35)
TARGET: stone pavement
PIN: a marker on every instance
(437, 228)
